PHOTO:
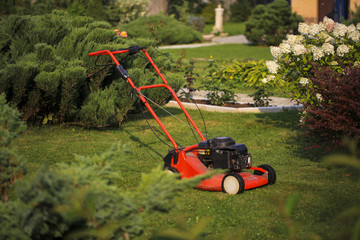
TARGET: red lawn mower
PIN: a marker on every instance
(215, 153)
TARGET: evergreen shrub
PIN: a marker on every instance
(240, 11)
(165, 30)
(269, 24)
(49, 76)
(84, 200)
(11, 164)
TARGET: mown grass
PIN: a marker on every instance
(224, 53)
(272, 138)
(230, 28)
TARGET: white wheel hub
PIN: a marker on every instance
(231, 185)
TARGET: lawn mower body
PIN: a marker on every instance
(215, 153)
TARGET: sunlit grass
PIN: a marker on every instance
(272, 138)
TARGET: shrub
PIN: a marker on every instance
(113, 11)
(326, 44)
(338, 113)
(271, 23)
(208, 13)
(334, 49)
(198, 23)
(11, 165)
(164, 29)
(84, 200)
(49, 76)
(240, 11)
(220, 90)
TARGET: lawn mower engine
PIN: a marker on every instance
(224, 153)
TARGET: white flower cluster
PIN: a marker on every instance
(272, 66)
(303, 81)
(268, 79)
(328, 38)
(342, 50)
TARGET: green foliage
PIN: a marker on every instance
(125, 11)
(181, 8)
(240, 11)
(239, 74)
(11, 165)
(269, 24)
(216, 82)
(113, 11)
(208, 13)
(261, 97)
(165, 30)
(355, 16)
(84, 200)
(49, 76)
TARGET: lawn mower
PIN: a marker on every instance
(209, 154)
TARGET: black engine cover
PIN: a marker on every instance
(223, 152)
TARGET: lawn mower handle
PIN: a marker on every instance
(124, 74)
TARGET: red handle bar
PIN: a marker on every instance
(135, 49)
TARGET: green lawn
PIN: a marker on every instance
(229, 27)
(272, 138)
(224, 53)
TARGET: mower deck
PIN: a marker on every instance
(189, 165)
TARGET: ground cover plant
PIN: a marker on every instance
(304, 203)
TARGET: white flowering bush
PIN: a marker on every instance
(327, 44)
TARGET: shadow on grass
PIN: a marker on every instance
(303, 144)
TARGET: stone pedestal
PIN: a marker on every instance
(219, 14)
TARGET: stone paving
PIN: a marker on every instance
(238, 39)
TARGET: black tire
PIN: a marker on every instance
(271, 173)
(233, 183)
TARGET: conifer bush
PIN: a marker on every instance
(11, 164)
(269, 24)
(49, 76)
(84, 200)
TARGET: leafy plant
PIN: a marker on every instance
(337, 112)
(167, 30)
(269, 24)
(11, 164)
(326, 44)
(261, 97)
(216, 82)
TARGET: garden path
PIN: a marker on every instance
(244, 98)
(238, 39)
